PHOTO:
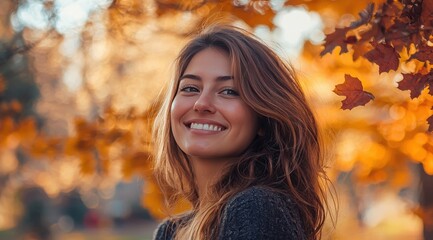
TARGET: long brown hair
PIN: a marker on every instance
(286, 157)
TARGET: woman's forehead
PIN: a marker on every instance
(209, 61)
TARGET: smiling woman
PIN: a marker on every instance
(236, 137)
(210, 121)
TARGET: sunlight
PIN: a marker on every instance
(294, 26)
(70, 15)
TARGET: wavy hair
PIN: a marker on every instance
(286, 157)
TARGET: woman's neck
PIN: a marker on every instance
(207, 173)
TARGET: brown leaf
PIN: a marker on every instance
(353, 91)
(415, 83)
(384, 56)
(430, 85)
(401, 34)
(360, 49)
(427, 13)
(389, 12)
(365, 16)
(351, 39)
(337, 38)
(375, 33)
(424, 53)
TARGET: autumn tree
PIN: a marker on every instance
(384, 52)
(396, 36)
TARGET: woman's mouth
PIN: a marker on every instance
(206, 127)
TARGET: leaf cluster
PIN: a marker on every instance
(395, 33)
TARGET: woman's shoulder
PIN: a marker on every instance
(264, 199)
(164, 231)
(261, 213)
(167, 228)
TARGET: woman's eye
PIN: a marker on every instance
(189, 89)
(230, 92)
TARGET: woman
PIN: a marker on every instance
(236, 138)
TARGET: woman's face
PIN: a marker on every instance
(209, 119)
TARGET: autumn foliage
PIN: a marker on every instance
(389, 39)
(355, 95)
(385, 37)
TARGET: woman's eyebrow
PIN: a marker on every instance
(190, 76)
(195, 77)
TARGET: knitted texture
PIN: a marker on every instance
(253, 214)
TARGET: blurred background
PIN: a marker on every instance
(76, 77)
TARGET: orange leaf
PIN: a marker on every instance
(16, 106)
(170, 6)
(7, 125)
(103, 155)
(138, 162)
(87, 163)
(253, 13)
(27, 130)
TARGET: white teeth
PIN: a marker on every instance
(206, 127)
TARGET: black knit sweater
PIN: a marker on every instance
(253, 214)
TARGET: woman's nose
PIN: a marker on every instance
(204, 103)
